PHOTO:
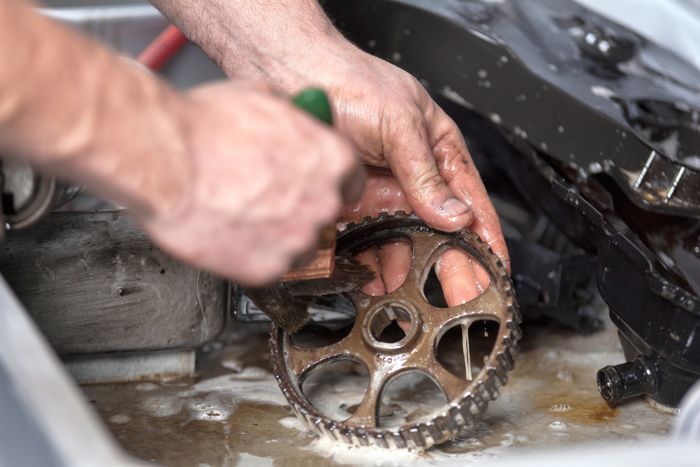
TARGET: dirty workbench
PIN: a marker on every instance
(233, 413)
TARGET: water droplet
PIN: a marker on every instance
(560, 129)
(483, 74)
(560, 408)
(495, 118)
(559, 426)
(553, 67)
(119, 419)
(595, 168)
(520, 98)
(565, 376)
(503, 59)
(459, 58)
(372, 44)
(543, 145)
(396, 57)
(407, 32)
(520, 132)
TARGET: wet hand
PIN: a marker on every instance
(461, 278)
(264, 178)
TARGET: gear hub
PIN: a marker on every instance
(416, 351)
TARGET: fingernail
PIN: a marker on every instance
(454, 207)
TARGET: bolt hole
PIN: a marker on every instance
(332, 318)
(408, 398)
(337, 389)
(482, 336)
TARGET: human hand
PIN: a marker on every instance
(461, 278)
(383, 110)
(265, 177)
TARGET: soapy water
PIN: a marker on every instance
(235, 413)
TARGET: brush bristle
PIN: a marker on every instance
(287, 303)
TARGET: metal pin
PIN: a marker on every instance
(643, 173)
(676, 181)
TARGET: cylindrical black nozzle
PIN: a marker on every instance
(626, 380)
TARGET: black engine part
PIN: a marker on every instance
(596, 128)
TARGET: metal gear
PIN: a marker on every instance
(416, 352)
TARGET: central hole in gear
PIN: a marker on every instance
(384, 324)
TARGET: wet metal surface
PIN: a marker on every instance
(235, 414)
(388, 360)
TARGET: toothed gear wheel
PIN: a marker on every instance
(416, 352)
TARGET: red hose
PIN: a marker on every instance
(162, 49)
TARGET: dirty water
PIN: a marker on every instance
(234, 413)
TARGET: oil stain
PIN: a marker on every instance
(581, 407)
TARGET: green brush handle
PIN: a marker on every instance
(315, 102)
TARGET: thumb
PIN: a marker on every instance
(413, 163)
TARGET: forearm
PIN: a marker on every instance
(71, 107)
(260, 39)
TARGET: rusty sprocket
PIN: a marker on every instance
(416, 352)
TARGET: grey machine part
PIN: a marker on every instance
(113, 306)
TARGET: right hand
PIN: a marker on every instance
(264, 178)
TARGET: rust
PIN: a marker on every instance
(416, 351)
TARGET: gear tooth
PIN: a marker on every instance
(414, 438)
(450, 425)
(456, 414)
(396, 440)
(506, 359)
(491, 387)
(431, 433)
(363, 439)
(515, 330)
(474, 408)
(380, 441)
(499, 373)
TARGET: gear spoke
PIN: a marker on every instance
(426, 248)
(452, 386)
(299, 361)
(488, 305)
(368, 410)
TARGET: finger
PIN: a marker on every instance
(412, 161)
(395, 262)
(458, 170)
(382, 193)
(461, 278)
(370, 258)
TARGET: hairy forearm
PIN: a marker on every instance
(71, 107)
(259, 39)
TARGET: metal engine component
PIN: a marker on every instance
(28, 196)
(416, 351)
(596, 128)
(104, 295)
